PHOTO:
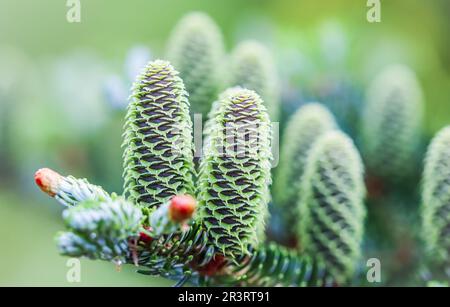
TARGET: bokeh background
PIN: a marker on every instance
(64, 86)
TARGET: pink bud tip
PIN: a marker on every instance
(47, 180)
(181, 208)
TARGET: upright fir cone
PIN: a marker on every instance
(303, 129)
(331, 206)
(392, 122)
(235, 173)
(436, 198)
(196, 50)
(253, 67)
(158, 150)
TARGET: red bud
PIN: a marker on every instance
(47, 180)
(181, 208)
(144, 237)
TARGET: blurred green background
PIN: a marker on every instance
(57, 108)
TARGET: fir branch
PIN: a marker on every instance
(176, 255)
(272, 265)
(69, 191)
(100, 229)
(117, 230)
(109, 229)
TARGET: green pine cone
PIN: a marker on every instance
(331, 206)
(436, 198)
(303, 129)
(253, 67)
(196, 50)
(392, 123)
(158, 155)
(100, 229)
(235, 173)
